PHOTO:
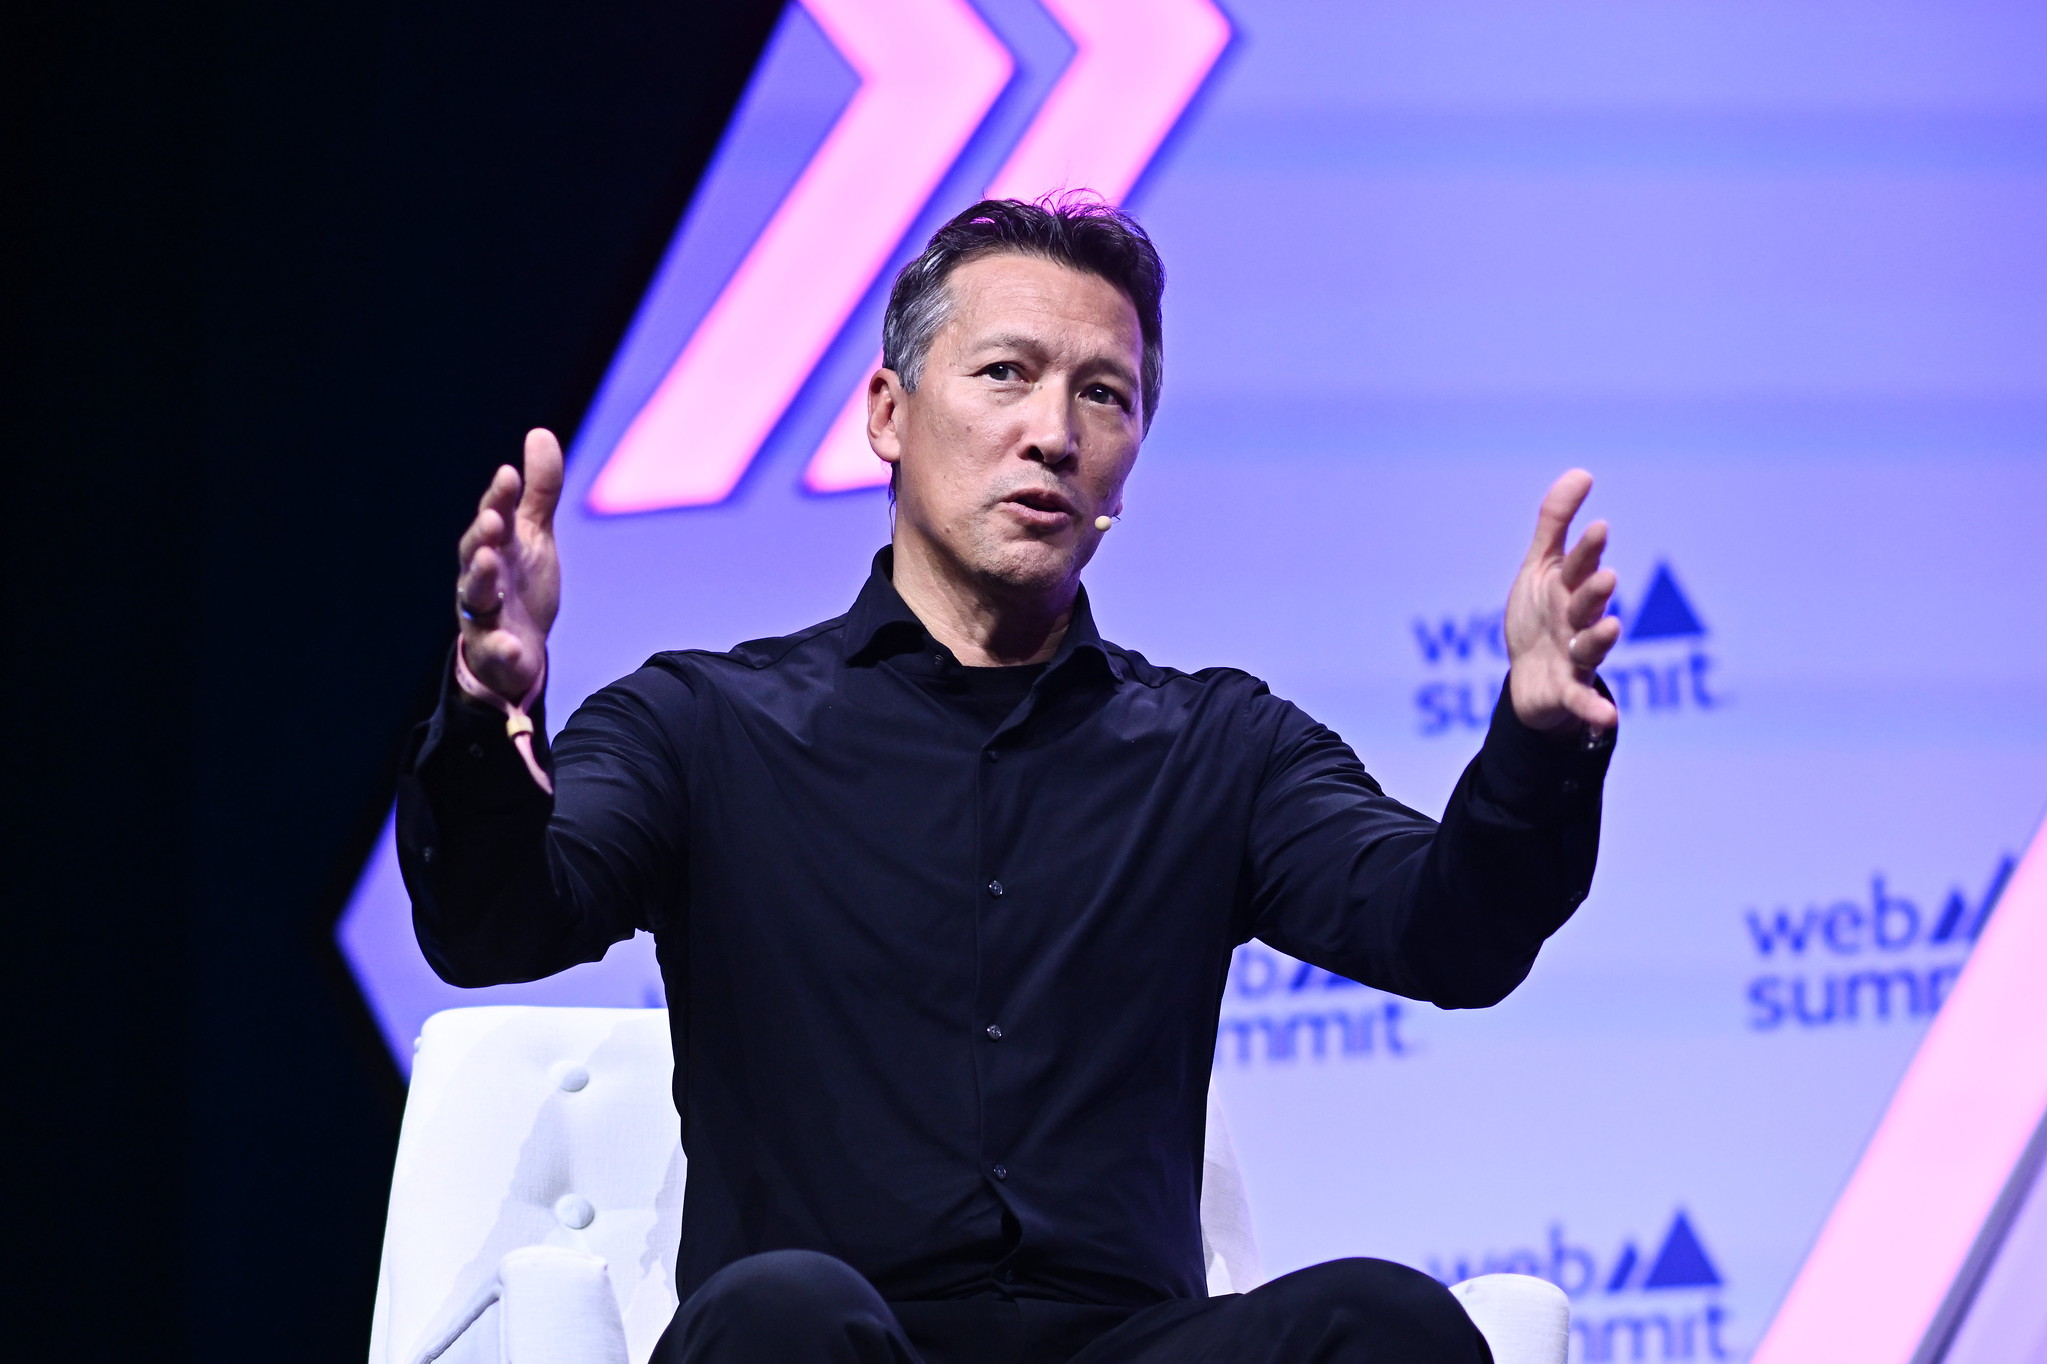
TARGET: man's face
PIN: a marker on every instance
(1024, 425)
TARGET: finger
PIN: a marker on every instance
(1559, 505)
(500, 498)
(543, 491)
(487, 529)
(480, 593)
(491, 648)
(501, 494)
(1588, 603)
(1589, 647)
(1595, 710)
(493, 513)
(1584, 556)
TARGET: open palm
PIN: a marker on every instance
(509, 587)
(1557, 627)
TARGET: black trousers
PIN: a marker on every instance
(800, 1307)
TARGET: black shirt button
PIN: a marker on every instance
(995, 889)
(1570, 786)
(426, 854)
(994, 1031)
(993, 755)
(1000, 1172)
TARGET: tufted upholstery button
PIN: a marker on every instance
(568, 1076)
(574, 1211)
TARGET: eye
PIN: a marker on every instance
(1001, 371)
(1102, 393)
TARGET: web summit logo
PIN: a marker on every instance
(1281, 1012)
(1661, 667)
(1633, 1307)
(1863, 960)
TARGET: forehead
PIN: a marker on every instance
(1012, 293)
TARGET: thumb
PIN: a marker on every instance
(1553, 521)
(543, 471)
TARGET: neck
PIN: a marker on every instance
(986, 624)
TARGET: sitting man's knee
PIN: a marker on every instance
(786, 1301)
(783, 1281)
(1387, 1304)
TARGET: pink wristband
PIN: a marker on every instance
(518, 724)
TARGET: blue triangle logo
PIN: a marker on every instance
(1682, 1263)
(1664, 613)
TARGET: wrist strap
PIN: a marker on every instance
(518, 724)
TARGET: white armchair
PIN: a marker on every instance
(537, 1202)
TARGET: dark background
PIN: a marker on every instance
(283, 284)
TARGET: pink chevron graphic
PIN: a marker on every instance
(1136, 64)
(929, 71)
(1954, 1131)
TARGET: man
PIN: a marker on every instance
(944, 891)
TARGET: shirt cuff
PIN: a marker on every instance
(1543, 776)
(469, 751)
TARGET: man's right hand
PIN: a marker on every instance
(509, 587)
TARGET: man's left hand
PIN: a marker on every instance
(1557, 627)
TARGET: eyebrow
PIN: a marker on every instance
(1017, 341)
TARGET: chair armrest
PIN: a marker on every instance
(1526, 1320)
(546, 1305)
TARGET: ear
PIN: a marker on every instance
(884, 414)
(1117, 509)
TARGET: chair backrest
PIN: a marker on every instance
(545, 1126)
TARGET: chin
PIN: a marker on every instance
(1032, 566)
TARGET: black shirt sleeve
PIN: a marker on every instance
(511, 884)
(1346, 878)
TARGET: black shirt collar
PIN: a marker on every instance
(881, 624)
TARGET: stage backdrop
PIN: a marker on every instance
(1771, 270)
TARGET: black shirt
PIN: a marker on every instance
(944, 979)
(990, 694)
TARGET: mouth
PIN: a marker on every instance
(1040, 507)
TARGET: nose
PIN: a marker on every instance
(1054, 441)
